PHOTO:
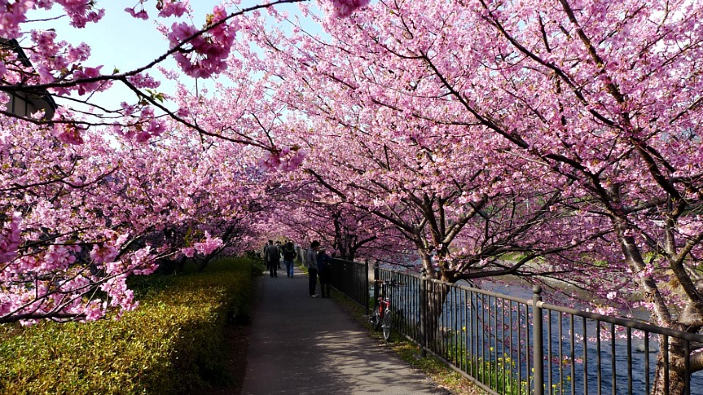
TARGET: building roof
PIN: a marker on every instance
(40, 98)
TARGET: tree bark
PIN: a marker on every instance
(677, 369)
(434, 298)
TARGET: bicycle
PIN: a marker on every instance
(382, 313)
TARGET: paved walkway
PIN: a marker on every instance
(301, 345)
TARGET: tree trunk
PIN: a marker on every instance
(434, 297)
(677, 369)
(206, 259)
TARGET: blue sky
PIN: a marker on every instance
(120, 41)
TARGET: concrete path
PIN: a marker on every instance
(304, 345)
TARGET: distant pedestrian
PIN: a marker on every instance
(272, 257)
(311, 262)
(288, 256)
(280, 250)
(323, 269)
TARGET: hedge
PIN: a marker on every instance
(172, 343)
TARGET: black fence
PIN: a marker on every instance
(513, 345)
(351, 278)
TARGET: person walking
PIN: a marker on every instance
(280, 255)
(323, 269)
(272, 258)
(311, 262)
(288, 256)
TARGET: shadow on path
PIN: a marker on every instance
(304, 345)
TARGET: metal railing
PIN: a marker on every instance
(514, 345)
(351, 278)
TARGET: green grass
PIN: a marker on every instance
(496, 372)
(172, 343)
(301, 267)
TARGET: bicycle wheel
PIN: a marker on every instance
(386, 325)
(376, 319)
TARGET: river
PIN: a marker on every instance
(483, 325)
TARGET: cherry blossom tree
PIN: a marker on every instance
(596, 104)
(412, 171)
(58, 250)
(565, 134)
(94, 194)
(85, 217)
(36, 61)
(309, 212)
(603, 96)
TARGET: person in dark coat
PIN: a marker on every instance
(311, 263)
(323, 269)
(272, 257)
(280, 250)
(288, 256)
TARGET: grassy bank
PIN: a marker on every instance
(434, 368)
(172, 343)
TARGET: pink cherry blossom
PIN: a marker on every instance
(141, 14)
(172, 7)
(344, 8)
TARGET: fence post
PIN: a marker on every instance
(423, 313)
(366, 288)
(345, 277)
(537, 340)
(375, 282)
